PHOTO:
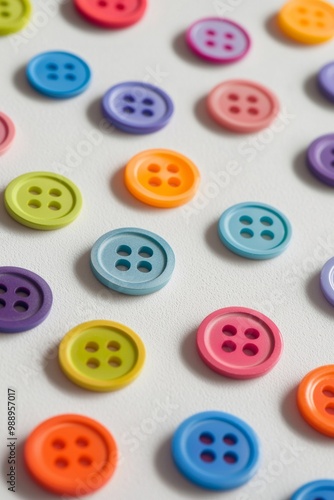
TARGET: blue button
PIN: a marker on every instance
(254, 230)
(58, 74)
(316, 490)
(132, 261)
(216, 450)
(137, 107)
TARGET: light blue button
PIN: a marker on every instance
(254, 230)
(316, 490)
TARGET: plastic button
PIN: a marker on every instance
(71, 455)
(254, 230)
(132, 261)
(242, 106)
(320, 158)
(218, 40)
(101, 355)
(58, 74)
(323, 489)
(7, 130)
(14, 15)
(43, 200)
(137, 107)
(216, 450)
(327, 280)
(326, 81)
(112, 13)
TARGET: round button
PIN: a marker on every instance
(43, 200)
(326, 81)
(307, 21)
(254, 230)
(101, 355)
(7, 130)
(71, 455)
(218, 40)
(242, 106)
(216, 450)
(132, 261)
(162, 178)
(25, 300)
(323, 489)
(320, 158)
(137, 107)
(14, 15)
(112, 13)
(315, 399)
(58, 74)
(327, 280)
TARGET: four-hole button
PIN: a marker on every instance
(112, 14)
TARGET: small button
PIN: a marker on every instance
(326, 81)
(323, 489)
(320, 158)
(58, 74)
(14, 15)
(7, 131)
(71, 455)
(25, 300)
(254, 230)
(101, 355)
(137, 107)
(132, 261)
(216, 450)
(327, 280)
(112, 13)
(218, 40)
(43, 200)
(162, 178)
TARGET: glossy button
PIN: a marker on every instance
(326, 81)
(43, 200)
(112, 13)
(14, 15)
(58, 74)
(132, 261)
(162, 178)
(254, 230)
(218, 40)
(70, 455)
(323, 489)
(101, 355)
(216, 450)
(327, 280)
(320, 158)
(137, 107)
(7, 132)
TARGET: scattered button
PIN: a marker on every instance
(322, 489)
(327, 280)
(320, 158)
(14, 15)
(7, 131)
(326, 81)
(112, 13)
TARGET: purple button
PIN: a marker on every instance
(320, 158)
(25, 300)
(327, 280)
(326, 81)
(218, 40)
(137, 107)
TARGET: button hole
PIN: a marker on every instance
(228, 47)
(58, 444)
(148, 102)
(252, 333)
(233, 97)
(211, 32)
(144, 267)
(206, 438)
(123, 265)
(93, 363)
(129, 110)
(147, 112)
(267, 235)
(153, 168)
(229, 346)
(102, 3)
(247, 233)
(210, 43)
(230, 439)
(70, 76)
(253, 111)
(35, 190)
(154, 181)
(82, 442)
(3, 289)
(92, 347)
(21, 306)
(129, 98)
(124, 250)
(85, 461)
(230, 458)
(330, 409)
(69, 66)
(55, 192)
(2, 303)
(229, 35)
(120, 6)
(244, 219)
(174, 182)
(5, 14)
(234, 109)
(145, 252)
(61, 463)
(52, 76)
(266, 221)
(54, 205)
(208, 456)
(34, 204)
(115, 362)
(328, 392)
(22, 292)
(252, 98)
(250, 350)
(229, 330)
(173, 168)
(52, 67)
(113, 346)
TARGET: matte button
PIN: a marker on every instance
(320, 158)
(327, 280)
(323, 489)
(14, 15)
(7, 132)
(112, 13)
(326, 81)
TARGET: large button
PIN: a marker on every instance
(7, 132)
(218, 40)
(239, 342)
(326, 81)
(216, 450)
(71, 455)
(25, 300)
(112, 13)
(320, 158)
(43, 200)
(254, 230)
(323, 489)
(14, 15)
(101, 355)
(132, 261)
(162, 178)
(327, 280)
(58, 74)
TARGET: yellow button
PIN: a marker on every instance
(14, 15)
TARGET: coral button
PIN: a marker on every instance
(323, 489)
(112, 13)
(320, 158)
(14, 15)
(7, 132)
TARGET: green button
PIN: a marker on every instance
(14, 15)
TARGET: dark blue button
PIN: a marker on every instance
(316, 490)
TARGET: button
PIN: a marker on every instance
(316, 490)
(326, 81)
(71, 455)
(112, 13)
(14, 15)
(315, 399)
(254, 230)
(218, 40)
(25, 300)
(320, 158)
(239, 342)
(7, 131)
(307, 21)
(132, 261)
(327, 280)
(58, 74)
(162, 178)
(216, 450)
(43, 200)
(101, 355)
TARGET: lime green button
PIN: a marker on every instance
(43, 200)
(101, 355)
(14, 15)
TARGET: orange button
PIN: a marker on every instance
(71, 455)
(162, 178)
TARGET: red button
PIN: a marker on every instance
(112, 13)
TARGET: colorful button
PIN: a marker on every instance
(307, 21)
(218, 40)
(101, 355)
(132, 261)
(112, 13)
(254, 230)
(315, 399)
(14, 15)
(327, 280)
(323, 489)
(162, 178)
(71, 455)
(43, 200)
(216, 450)
(58, 74)
(25, 300)
(326, 81)
(137, 107)
(7, 130)
(320, 158)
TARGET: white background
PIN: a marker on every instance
(206, 277)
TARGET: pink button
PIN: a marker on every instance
(7, 132)
(239, 342)
(242, 106)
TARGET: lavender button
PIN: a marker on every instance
(326, 81)
(327, 280)
(320, 158)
